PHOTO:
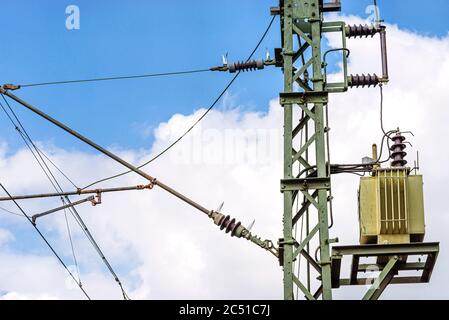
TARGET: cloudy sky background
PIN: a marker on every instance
(163, 249)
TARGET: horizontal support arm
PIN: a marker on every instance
(66, 206)
(77, 192)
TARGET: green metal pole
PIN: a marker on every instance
(303, 19)
(288, 129)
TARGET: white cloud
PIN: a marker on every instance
(165, 249)
(5, 236)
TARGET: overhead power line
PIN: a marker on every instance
(151, 75)
(248, 236)
(214, 103)
(63, 196)
(47, 243)
(11, 212)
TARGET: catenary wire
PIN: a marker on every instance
(21, 129)
(59, 189)
(11, 212)
(28, 85)
(51, 178)
(95, 245)
(196, 122)
(72, 247)
(46, 241)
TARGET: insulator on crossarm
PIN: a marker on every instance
(246, 66)
(236, 229)
(361, 31)
(229, 225)
(397, 151)
(363, 80)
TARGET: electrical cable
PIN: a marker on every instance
(91, 239)
(57, 168)
(74, 212)
(28, 85)
(11, 212)
(353, 169)
(196, 122)
(59, 189)
(381, 109)
(385, 134)
(53, 181)
(72, 246)
(21, 129)
(46, 241)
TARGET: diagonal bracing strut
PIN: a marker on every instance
(224, 222)
(66, 206)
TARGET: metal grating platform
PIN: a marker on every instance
(391, 259)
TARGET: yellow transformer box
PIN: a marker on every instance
(391, 207)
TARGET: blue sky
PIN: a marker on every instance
(146, 37)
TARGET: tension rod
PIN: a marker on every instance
(224, 222)
(66, 206)
(104, 151)
(77, 192)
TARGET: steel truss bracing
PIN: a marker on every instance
(301, 24)
(391, 260)
(307, 169)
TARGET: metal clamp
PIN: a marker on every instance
(10, 87)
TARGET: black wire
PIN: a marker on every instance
(381, 109)
(71, 245)
(59, 189)
(196, 122)
(11, 212)
(57, 168)
(22, 131)
(113, 78)
(53, 181)
(91, 239)
(385, 134)
(45, 240)
(173, 143)
(26, 143)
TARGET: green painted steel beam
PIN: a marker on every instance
(287, 51)
(303, 289)
(305, 184)
(395, 280)
(415, 266)
(382, 281)
(387, 249)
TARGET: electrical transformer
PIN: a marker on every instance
(391, 205)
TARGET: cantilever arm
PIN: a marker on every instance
(224, 222)
(75, 193)
(66, 206)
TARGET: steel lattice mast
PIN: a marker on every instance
(312, 101)
(306, 169)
